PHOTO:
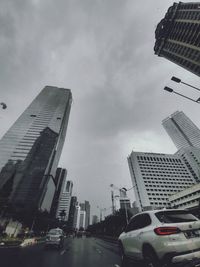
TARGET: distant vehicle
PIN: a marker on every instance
(55, 237)
(161, 238)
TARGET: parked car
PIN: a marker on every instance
(161, 237)
(55, 237)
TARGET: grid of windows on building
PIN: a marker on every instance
(187, 199)
(182, 130)
(178, 38)
(157, 176)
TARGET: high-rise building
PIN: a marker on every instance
(183, 132)
(86, 207)
(59, 180)
(178, 38)
(72, 211)
(191, 157)
(82, 219)
(31, 149)
(157, 176)
(76, 222)
(65, 198)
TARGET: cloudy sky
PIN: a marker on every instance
(103, 51)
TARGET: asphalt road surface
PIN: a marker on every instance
(77, 252)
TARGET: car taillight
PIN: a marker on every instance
(167, 230)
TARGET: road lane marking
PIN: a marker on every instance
(62, 252)
(116, 265)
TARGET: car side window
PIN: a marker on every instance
(138, 222)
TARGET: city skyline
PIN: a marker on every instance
(104, 54)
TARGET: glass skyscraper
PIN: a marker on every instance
(183, 132)
(31, 149)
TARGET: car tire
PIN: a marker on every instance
(150, 258)
(123, 257)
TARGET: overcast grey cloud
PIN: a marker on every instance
(103, 51)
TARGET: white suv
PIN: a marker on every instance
(162, 237)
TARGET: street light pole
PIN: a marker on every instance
(170, 90)
(177, 80)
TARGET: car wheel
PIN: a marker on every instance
(123, 256)
(150, 258)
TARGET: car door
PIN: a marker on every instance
(134, 235)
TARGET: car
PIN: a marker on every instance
(55, 238)
(161, 238)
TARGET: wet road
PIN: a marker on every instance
(78, 252)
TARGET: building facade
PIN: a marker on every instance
(65, 199)
(25, 167)
(82, 219)
(187, 199)
(59, 180)
(183, 132)
(157, 176)
(191, 157)
(76, 222)
(72, 211)
(186, 137)
(86, 207)
(177, 36)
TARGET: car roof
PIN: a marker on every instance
(158, 210)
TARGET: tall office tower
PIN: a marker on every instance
(65, 199)
(157, 176)
(31, 149)
(86, 207)
(72, 211)
(60, 178)
(82, 219)
(76, 222)
(183, 132)
(178, 36)
(87, 216)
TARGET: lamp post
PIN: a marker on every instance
(170, 90)
(177, 80)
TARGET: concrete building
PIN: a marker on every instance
(157, 176)
(76, 222)
(31, 149)
(65, 199)
(186, 137)
(187, 199)
(72, 211)
(86, 207)
(59, 180)
(82, 219)
(177, 36)
(191, 157)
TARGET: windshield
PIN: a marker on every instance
(175, 216)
